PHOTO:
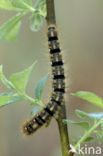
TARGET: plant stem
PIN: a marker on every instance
(28, 97)
(31, 99)
(51, 19)
(63, 130)
(88, 133)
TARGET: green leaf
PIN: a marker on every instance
(5, 4)
(88, 139)
(37, 102)
(8, 27)
(4, 98)
(7, 98)
(99, 134)
(20, 79)
(13, 35)
(39, 4)
(83, 124)
(81, 113)
(39, 87)
(35, 110)
(94, 116)
(36, 22)
(15, 98)
(102, 126)
(6, 82)
(91, 97)
(23, 4)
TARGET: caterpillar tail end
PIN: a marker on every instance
(29, 128)
(25, 129)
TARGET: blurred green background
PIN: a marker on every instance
(80, 25)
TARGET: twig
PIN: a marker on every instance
(63, 131)
(51, 19)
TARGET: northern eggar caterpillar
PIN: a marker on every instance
(58, 85)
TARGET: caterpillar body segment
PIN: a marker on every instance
(58, 85)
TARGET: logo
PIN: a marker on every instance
(90, 150)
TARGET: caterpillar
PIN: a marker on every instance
(58, 85)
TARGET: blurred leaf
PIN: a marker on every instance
(35, 110)
(81, 113)
(40, 86)
(13, 35)
(4, 98)
(91, 97)
(83, 124)
(102, 126)
(94, 116)
(16, 98)
(23, 4)
(7, 98)
(6, 82)
(6, 4)
(40, 5)
(99, 134)
(20, 79)
(37, 102)
(36, 22)
(8, 27)
(33, 103)
(88, 139)
(44, 11)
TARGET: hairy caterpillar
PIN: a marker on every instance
(58, 85)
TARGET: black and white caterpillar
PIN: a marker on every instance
(58, 85)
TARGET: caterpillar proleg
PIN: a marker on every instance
(58, 85)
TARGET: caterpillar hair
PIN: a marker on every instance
(58, 85)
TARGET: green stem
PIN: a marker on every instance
(33, 100)
(23, 94)
(63, 130)
(63, 137)
(30, 98)
(51, 19)
(88, 133)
